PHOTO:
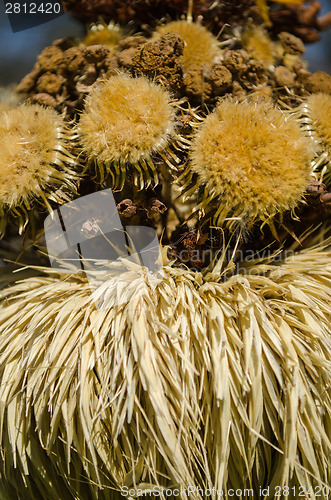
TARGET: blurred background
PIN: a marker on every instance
(18, 51)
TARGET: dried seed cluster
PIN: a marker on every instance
(252, 159)
(185, 56)
(35, 164)
(125, 121)
(134, 129)
(201, 47)
(315, 116)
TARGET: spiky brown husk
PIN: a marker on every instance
(190, 380)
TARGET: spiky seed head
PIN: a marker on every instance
(259, 45)
(34, 162)
(125, 121)
(320, 112)
(314, 117)
(252, 159)
(201, 46)
(103, 34)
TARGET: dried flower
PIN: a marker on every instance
(259, 45)
(252, 160)
(125, 122)
(315, 115)
(8, 98)
(201, 45)
(197, 381)
(35, 164)
(103, 34)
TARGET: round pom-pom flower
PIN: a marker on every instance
(125, 122)
(257, 42)
(35, 162)
(103, 34)
(253, 161)
(201, 46)
(315, 114)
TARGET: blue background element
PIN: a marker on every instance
(18, 51)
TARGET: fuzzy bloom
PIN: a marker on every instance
(103, 34)
(320, 112)
(252, 159)
(34, 161)
(315, 115)
(125, 122)
(201, 46)
(259, 45)
(195, 381)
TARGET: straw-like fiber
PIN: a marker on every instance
(193, 381)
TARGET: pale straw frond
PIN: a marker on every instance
(181, 379)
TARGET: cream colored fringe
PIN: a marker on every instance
(192, 380)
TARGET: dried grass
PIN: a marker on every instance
(196, 381)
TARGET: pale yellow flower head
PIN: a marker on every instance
(252, 159)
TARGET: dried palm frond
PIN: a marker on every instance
(192, 379)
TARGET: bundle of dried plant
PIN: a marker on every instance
(181, 379)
